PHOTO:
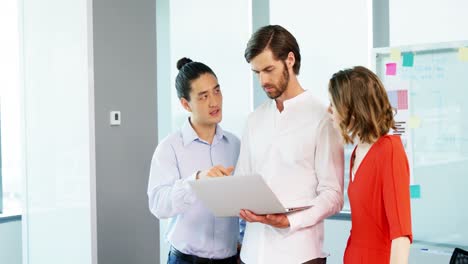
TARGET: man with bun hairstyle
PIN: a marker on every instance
(199, 150)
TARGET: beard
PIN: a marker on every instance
(280, 87)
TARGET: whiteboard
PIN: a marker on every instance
(437, 128)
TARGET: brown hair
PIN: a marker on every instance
(278, 40)
(362, 104)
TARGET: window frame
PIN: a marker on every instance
(1, 170)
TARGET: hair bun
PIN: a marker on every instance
(182, 62)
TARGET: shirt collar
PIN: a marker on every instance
(189, 135)
(298, 98)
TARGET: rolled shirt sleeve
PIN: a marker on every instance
(329, 166)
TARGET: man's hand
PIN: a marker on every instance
(216, 171)
(275, 220)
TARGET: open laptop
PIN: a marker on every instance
(226, 196)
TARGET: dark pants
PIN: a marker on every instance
(317, 261)
(173, 259)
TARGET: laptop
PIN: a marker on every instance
(226, 196)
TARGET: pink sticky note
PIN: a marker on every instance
(391, 68)
(403, 99)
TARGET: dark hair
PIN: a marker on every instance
(362, 104)
(278, 40)
(189, 71)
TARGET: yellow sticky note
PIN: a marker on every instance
(414, 122)
(463, 54)
(395, 54)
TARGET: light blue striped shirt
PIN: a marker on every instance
(193, 229)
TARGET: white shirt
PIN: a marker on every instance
(300, 155)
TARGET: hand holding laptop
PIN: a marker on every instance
(275, 220)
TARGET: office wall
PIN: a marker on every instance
(336, 237)
(260, 18)
(427, 21)
(10, 242)
(125, 80)
(332, 35)
(59, 131)
(217, 37)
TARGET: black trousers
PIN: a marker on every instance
(317, 261)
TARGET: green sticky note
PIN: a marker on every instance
(408, 59)
(415, 191)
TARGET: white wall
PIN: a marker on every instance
(427, 21)
(332, 35)
(215, 33)
(336, 237)
(59, 131)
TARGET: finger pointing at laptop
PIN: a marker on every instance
(216, 171)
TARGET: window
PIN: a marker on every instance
(348, 151)
(1, 185)
(10, 110)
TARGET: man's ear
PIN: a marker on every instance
(290, 60)
(185, 104)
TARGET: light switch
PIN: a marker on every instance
(115, 118)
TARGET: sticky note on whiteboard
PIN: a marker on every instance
(415, 191)
(393, 98)
(463, 54)
(391, 69)
(402, 99)
(408, 59)
(395, 54)
(414, 122)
